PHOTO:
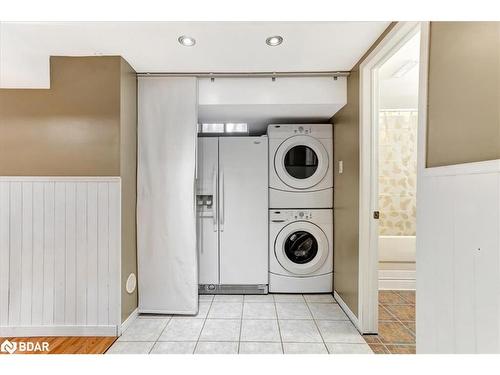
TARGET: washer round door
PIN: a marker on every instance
(301, 162)
(301, 248)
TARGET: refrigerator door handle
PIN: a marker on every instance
(221, 211)
(214, 199)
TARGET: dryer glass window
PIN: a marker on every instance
(301, 162)
(301, 247)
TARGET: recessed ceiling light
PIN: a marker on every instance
(187, 41)
(274, 40)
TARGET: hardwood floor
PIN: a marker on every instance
(396, 323)
(66, 344)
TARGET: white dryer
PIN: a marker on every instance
(301, 251)
(300, 165)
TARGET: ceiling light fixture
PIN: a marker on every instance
(187, 41)
(404, 68)
(274, 40)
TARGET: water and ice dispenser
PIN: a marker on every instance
(205, 204)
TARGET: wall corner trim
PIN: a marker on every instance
(347, 310)
(131, 318)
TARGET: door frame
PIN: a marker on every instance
(368, 160)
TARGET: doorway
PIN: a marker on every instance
(391, 98)
(398, 79)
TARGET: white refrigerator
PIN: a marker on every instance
(232, 204)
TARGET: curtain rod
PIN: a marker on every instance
(333, 74)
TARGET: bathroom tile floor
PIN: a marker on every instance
(396, 323)
(250, 324)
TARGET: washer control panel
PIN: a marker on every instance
(282, 216)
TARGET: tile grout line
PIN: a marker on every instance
(241, 323)
(408, 303)
(278, 323)
(332, 320)
(380, 343)
(404, 298)
(163, 330)
(203, 325)
(391, 313)
(317, 327)
(404, 326)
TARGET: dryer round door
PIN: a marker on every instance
(301, 162)
(301, 248)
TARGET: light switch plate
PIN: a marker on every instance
(341, 166)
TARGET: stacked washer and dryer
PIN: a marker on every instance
(300, 208)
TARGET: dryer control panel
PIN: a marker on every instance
(283, 131)
(282, 216)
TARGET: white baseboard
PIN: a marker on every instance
(37, 331)
(133, 316)
(397, 280)
(347, 310)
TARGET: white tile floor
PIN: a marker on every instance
(253, 324)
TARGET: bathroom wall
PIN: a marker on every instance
(83, 127)
(346, 195)
(397, 172)
(397, 198)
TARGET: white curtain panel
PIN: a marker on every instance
(166, 211)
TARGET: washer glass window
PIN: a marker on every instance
(301, 162)
(301, 247)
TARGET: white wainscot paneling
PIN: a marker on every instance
(59, 256)
(458, 261)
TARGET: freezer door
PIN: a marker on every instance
(207, 222)
(243, 205)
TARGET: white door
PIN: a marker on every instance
(243, 205)
(476, 263)
(301, 162)
(207, 222)
(301, 248)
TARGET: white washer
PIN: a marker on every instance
(300, 165)
(301, 251)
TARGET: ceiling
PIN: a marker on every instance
(401, 92)
(153, 47)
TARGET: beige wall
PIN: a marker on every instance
(346, 191)
(84, 125)
(464, 93)
(70, 129)
(128, 172)
(346, 196)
